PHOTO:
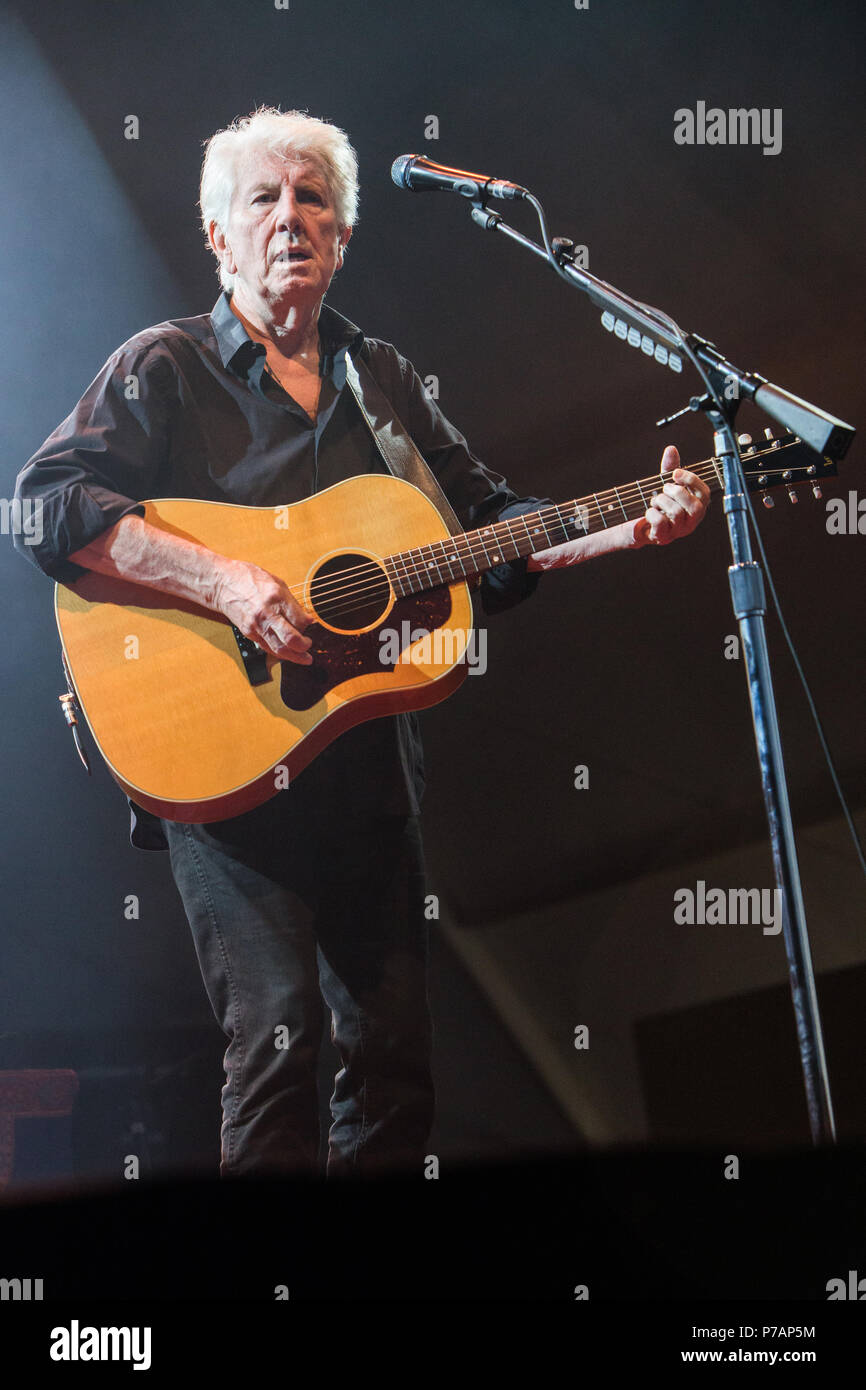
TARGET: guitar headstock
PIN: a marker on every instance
(782, 461)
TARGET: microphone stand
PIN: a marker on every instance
(725, 386)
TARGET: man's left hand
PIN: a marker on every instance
(677, 509)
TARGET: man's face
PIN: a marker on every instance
(282, 242)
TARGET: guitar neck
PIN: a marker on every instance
(473, 552)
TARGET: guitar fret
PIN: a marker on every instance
(494, 557)
(438, 549)
(536, 530)
(544, 529)
(451, 558)
(407, 583)
(581, 516)
(615, 492)
(513, 542)
(600, 512)
(562, 524)
(393, 578)
(488, 531)
(556, 524)
(405, 576)
(431, 563)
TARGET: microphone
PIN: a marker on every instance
(420, 175)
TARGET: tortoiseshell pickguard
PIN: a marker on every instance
(338, 657)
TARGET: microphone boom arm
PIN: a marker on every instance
(643, 326)
(659, 337)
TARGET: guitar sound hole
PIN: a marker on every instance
(350, 592)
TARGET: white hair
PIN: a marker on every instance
(291, 135)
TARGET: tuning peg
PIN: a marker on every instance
(816, 490)
(768, 433)
(744, 439)
(767, 499)
(792, 495)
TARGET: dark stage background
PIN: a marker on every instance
(556, 903)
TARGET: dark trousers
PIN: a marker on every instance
(290, 908)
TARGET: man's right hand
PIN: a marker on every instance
(259, 604)
(264, 609)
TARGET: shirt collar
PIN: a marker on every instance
(233, 341)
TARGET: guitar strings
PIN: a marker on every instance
(354, 583)
(471, 544)
(467, 547)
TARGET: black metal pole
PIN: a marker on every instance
(747, 596)
(659, 337)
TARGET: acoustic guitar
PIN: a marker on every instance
(197, 723)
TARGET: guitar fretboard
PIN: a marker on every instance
(472, 552)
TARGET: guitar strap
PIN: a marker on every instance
(392, 440)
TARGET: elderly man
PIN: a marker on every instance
(319, 893)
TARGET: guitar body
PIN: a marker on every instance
(178, 713)
(197, 724)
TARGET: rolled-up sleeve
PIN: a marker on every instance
(98, 465)
(477, 494)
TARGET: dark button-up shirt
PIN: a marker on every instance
(187, 409)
